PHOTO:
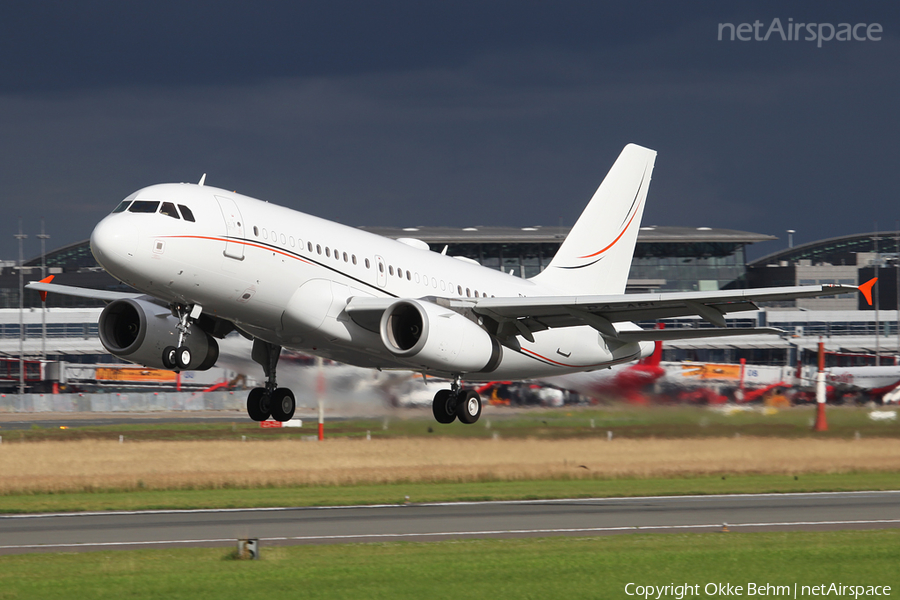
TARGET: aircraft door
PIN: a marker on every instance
(234, 227)
(380, 271)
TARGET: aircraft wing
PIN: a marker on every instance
(507, 317)
(43, 287)
(523, 316)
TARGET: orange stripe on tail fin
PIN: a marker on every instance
(866, 289)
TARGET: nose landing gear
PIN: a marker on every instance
(273, 401)
(179, 358)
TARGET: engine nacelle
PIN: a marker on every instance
(425, 334)
(139, 332)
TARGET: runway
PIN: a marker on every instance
(442, 521)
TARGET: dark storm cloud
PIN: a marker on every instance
(59, 45)
(447, 113)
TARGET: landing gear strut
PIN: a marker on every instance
(179, 358)
(453, 403)
(271, 400)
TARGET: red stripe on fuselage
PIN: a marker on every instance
(243, 243)
(551, 361)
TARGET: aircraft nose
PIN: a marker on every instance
(113, 242)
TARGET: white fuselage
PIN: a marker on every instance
(285, 277)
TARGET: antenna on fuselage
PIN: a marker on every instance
(202, 179)
(444, 251)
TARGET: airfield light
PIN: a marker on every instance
(21, 236)
(821, 423)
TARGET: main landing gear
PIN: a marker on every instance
(179, 358)
(455, 402)
(273, 401)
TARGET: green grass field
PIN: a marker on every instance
(417, 492)
(542, 568)
(623, 421)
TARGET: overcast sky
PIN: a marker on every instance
(461, 113)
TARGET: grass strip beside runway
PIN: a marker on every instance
(571, 568)
(419, 492)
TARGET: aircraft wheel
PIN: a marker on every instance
(443, 407)
(283, 404)
(183, 357)
(168, 357)
(259, 404)
(469, 409)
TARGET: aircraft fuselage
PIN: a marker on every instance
(285, 277)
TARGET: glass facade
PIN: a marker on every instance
(689, 266)
(672, 266)
(522, 259)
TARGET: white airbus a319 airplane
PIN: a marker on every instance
(208, 261)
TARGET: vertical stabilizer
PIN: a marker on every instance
(596, 255)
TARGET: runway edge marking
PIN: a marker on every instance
(635, 528)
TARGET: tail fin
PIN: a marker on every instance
(654, 359)
(596, 255)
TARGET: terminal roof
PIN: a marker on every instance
(539, 234)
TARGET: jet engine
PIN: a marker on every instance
(431, 336)
(139, 331)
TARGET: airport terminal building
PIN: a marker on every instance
(666, 259)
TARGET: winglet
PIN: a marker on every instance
(866, 289)
(47, 279)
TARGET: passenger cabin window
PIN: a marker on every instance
(255, 230)
(169, 210)
(122, 206)
(143, 206)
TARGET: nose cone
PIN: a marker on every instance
(113, 243)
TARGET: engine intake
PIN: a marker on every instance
(431, 336)
(139, 331)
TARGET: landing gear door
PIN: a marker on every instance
(234, 228)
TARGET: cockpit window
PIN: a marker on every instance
(122, 206)
(144, 206)
(168, 209)
(186, 213)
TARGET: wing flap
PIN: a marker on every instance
(666, 335)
